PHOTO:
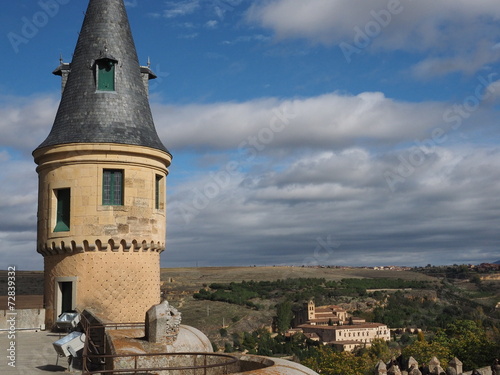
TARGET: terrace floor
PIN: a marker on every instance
(34, 354)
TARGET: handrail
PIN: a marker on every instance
(88, 357)
(230, 361)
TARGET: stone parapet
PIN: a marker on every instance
(62, 247)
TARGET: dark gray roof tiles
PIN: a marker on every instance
(86, 115)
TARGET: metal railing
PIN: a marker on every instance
(198, 368)
(95, 359)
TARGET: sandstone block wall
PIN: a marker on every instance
(120, 286)
(110, 253)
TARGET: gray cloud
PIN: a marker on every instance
(318, 176)
(446, 213)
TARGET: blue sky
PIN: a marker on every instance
(303, 131)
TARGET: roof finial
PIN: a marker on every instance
(61, 59)
(149, 62)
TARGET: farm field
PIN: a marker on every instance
(194, 278)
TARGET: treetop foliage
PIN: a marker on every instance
(300, 289)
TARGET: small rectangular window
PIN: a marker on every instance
(159, 191)
(106, 75)
(112, 187)
(63, 197)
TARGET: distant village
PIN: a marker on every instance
(480, 268)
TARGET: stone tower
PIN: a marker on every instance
(102, 179)
(311, 310)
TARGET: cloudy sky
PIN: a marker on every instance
(303, 131)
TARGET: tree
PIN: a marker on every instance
(476, 279)
(405, 338)
(214, 347)
(265, 343)
(468, 341)
(423, 352)
(329, 362)
(420, 336)
(284, 316)
(223, 332)
(379, 350)
(249, 343)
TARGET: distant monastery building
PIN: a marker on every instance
(333, 326)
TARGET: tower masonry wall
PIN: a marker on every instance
(93, 225)
(110, 252)
(123, 287)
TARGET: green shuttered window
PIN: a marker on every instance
(112, 187)
(106, 75)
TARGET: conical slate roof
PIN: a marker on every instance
(87, 115)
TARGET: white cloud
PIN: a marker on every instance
(327, 121)
(188, 36)
(24, 121)
(188, 25)
(221, 7)
(248, 38)
(461, 28)
(18, 206)
(131, 3)
(469, 64)
(212, 24)
(492, 92)
(181, 8)
(4, 156)
(217, 8)
(410, 25)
